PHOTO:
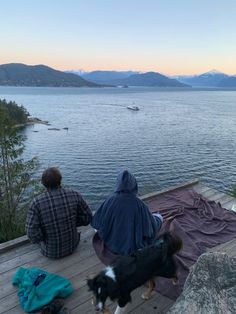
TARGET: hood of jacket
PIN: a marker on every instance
(126, 183)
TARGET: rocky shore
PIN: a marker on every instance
(31, 121)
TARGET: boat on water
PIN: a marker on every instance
(134, 108)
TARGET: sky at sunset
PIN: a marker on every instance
(167, 36)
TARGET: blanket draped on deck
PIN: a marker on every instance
(199, 222)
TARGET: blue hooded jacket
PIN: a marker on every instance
(123, 221)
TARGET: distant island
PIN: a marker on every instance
(17, 74)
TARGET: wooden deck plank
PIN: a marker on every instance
(15, 310)
(228, 247)
(226, 200)
(221, 198)
(19, 251)
(180, 186)
(231, 250)
(200, 188)
(13, 243)
(234, 254)
(210, 193)
(229, 204)
(157, 304)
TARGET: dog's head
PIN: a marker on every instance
(173, 243)
(99, 286)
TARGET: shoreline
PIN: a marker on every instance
(32, 121)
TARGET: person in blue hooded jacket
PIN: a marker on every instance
(123, 222)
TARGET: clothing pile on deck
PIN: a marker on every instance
(36, 288)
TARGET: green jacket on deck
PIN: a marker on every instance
(36, 287)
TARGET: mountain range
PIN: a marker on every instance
(212, 78)
(150, 79)
(228, 82)
(106, 77)
(18, 74)
(132, 78)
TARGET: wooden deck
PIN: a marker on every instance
(84, 263)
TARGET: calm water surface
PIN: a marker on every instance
(176, 136)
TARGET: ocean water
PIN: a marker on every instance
(175, 137)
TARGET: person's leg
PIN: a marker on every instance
(159, 220)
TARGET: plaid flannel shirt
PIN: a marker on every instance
(53, 218)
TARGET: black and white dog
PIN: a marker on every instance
(118, 280)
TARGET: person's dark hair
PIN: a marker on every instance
(51, 178)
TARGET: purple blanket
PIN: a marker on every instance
(200, 223)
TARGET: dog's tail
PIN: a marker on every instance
(172, 243)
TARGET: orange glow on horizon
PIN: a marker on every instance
(166, 66)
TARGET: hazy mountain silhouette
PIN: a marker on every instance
(151, 79)
(229, 82)
(208, 79)
(106, 77)
(18, 74)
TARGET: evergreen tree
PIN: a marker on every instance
(17, 184)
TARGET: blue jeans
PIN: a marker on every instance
(159, 220)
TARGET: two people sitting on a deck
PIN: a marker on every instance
(124, 222)
(54, 216)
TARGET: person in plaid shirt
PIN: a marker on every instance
(54, 216)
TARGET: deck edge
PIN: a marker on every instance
(176, 187)
(6, 246)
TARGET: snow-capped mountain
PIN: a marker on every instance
(209, 79)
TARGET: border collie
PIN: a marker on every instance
(127, 273)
